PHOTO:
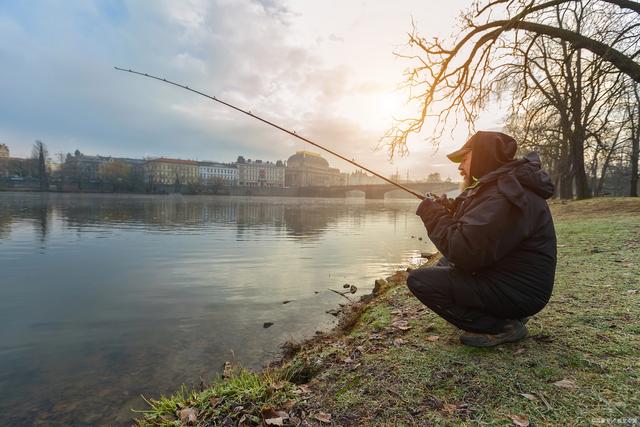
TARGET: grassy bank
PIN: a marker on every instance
(394, 362)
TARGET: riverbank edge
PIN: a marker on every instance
(319, 376)
(280, 386)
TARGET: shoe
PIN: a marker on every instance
(524, 320)
(514, 331)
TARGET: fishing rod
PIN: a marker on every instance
(292, 133)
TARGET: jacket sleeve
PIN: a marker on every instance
(485, 233)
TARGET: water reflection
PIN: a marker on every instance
(105, 298)
(299, 218)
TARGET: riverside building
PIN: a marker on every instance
(171, 171)
(257, 173)
(307, 169)
(210, 172)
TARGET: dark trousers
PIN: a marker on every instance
(463, 299)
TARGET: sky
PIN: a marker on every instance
(325, 69)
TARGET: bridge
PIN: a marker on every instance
(379, 191)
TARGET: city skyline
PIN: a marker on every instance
(332, 79)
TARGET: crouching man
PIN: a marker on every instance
(497, 240)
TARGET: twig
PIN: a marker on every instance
(340, 293)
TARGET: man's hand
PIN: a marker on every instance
(445, 202)
(429, 199)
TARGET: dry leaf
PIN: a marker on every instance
(519, 351)
(398, 342)
(274, 418)
(295, 421)
(449, 408)
(403, 325)
(323, 417)
(520, 420)
(433, 338)
(227, 371)
(214, 401)
(304, 389)
(565, 383)
(187, 415)
(288, 405)
(278, 421)
(278, 385)
(528, 396)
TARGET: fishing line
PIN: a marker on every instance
(292, 133)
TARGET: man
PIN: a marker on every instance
(497, 240)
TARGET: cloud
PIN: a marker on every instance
(59, 78)
(58, 84)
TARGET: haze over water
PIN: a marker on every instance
(104, 298)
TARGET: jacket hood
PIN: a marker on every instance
(524, 172)
(491, 150)
(532, 176)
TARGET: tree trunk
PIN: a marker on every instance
(635, 153)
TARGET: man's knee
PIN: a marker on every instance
(422, 282)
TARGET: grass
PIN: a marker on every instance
(402, 364)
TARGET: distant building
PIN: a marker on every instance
(211, 171)
(307, 169)
(260, 174)
(92, 168)
(4, 151)
(361, 178)
(171, 171)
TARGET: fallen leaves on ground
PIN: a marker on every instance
(565, 383)
(520, 420)
(449, 408)
(433, 338)
(272, 417)
(528, 396)
(398, 342)
(519, 351)
(227, 370)
(187, 415)
(304, 389)
(323, 417)
(402, 325)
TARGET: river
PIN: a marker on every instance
(104, 298)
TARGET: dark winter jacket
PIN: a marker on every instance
(501, 230)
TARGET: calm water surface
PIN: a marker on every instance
(105, 298)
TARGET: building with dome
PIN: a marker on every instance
(307, 169)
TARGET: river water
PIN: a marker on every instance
(104, 298)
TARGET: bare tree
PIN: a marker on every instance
(570, 53)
